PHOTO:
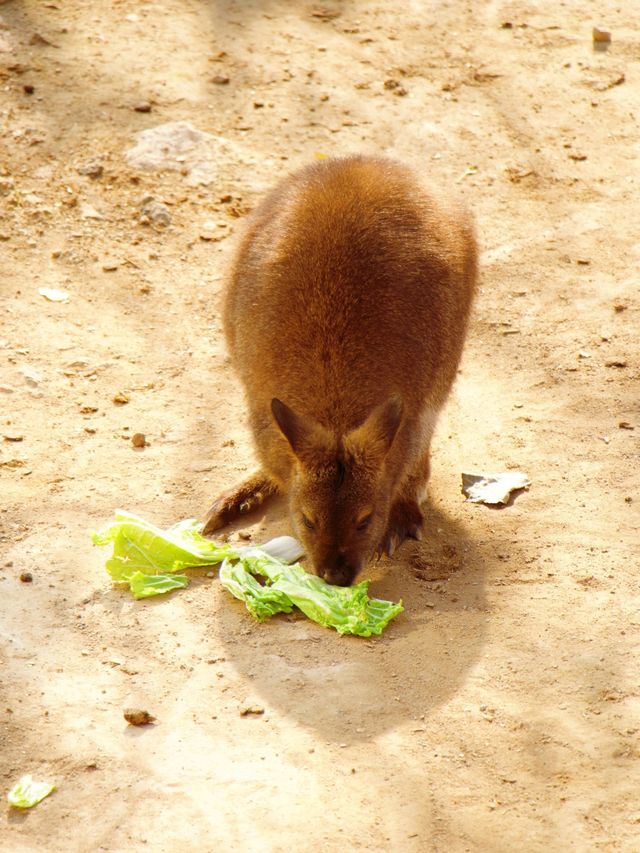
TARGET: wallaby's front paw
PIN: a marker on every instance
(405, 522)
(220, 514)
(238, 500)
(228, 507)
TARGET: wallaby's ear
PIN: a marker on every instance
(373, 439)
(310, 441)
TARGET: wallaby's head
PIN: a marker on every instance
(340, 495)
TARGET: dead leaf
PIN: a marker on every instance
(248, 710)
(485, 76)
(53, 295)
(493, 488)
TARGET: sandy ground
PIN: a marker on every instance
(500, 712)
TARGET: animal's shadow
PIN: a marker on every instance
(349, 688)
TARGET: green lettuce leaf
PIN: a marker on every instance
(147, 558)
(27, 793)
(145, 586)
(347, 609)
(139, 546)
(261, 601)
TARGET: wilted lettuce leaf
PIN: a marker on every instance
(146, 557)
(348, 609)
(27, 793)
(261, 601)
(143, 547)
(145, 586)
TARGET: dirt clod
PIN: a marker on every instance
(138, 717)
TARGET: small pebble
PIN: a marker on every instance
(26, 577)
(220, 80)
(92, 169)
(154, 212)
(601, 36)
(143, 107)
(211, 231)
(138, 439)
(88, 211)
(28, 89)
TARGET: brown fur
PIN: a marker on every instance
(345, 315)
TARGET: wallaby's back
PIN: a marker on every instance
(351, 284)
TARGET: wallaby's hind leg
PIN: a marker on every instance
(406, 518)
(239, 500)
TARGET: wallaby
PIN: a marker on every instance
(345, 315)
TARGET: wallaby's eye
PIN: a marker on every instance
(364, 522)
(308, 523)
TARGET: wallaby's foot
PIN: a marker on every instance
(239, 500)
(405, 522)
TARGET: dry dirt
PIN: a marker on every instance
(500, 712)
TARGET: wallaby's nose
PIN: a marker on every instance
(339, 570)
